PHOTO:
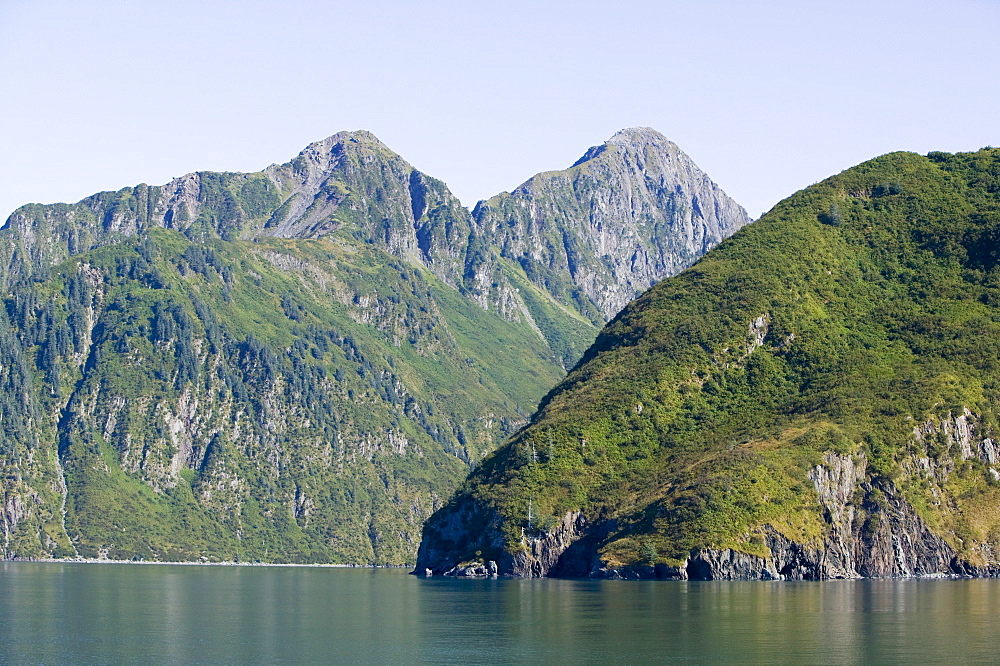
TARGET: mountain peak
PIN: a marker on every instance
(632, 136)
(632, 139)
(357, 138)
(590, 224)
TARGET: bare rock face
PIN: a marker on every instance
(629, 213)
(836, 482)
(456, 535)
(352, 181)
(542, 552)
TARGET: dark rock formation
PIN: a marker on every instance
(879, 536)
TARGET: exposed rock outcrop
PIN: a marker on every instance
(872, 533)
(872, 530)
(349, 182)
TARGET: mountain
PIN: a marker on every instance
(297, 364)
(815, 398)
(627, 214)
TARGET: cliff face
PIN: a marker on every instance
(288, 365)
(872, 532)
(815, 398)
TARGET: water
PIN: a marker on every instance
(94, 613)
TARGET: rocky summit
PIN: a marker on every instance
(301, 364)
(627, 214)
(815, 398)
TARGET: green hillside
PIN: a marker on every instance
(207, 402)
(816, 397)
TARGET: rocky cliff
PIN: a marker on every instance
(815, 398)
(872, 532)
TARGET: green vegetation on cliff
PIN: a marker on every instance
(209, 402)
(858, 319)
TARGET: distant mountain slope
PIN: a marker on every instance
(274, 400)
(817, 397)
(289, 365)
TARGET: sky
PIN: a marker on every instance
(766, 97)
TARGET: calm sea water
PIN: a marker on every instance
(123, 614)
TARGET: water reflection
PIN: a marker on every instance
(72, 613)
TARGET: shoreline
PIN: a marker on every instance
(93, 560)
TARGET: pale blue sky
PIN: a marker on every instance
(767, 97)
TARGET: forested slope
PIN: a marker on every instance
(816, 397)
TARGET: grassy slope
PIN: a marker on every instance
(879, 291)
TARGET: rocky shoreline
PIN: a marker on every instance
(89, 560)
